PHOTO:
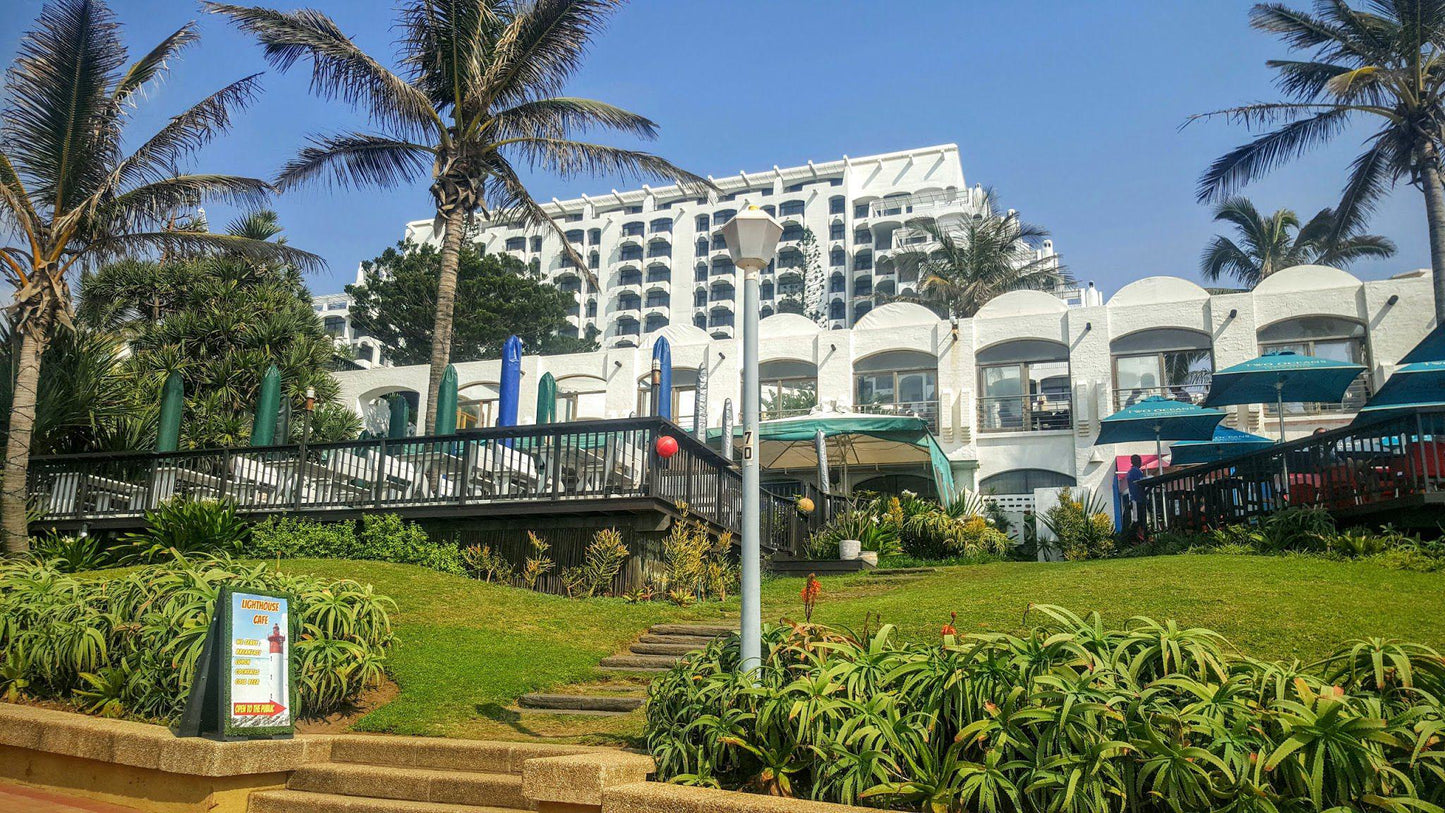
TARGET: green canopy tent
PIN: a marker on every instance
(851, 440)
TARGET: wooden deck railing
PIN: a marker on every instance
(584, 461)
(1372, 465)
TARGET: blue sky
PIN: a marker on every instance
(1071, 111)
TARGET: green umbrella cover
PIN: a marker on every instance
(400, 417)
(268, 404)
(446, 404)
(168, 436)
(547, 399)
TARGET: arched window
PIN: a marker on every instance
(789, 388)
(861, 309)
(581, 398)
(790, 207)
(594, 236)
(837, 309)
(1173, 362)
(897, 382)
(661, 224)
(1024, 481)
(835, 205)
(575, 236)
(633, 229)
(1330, 337)
(702, 223)
(897, 484)
(1024, 386)
(699, 320)
(477, 405)
(655, 321)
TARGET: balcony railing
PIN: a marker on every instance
(1024, 413)
(1363, 468)
(584, 460)
(1187, 393)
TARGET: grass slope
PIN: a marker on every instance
(468, 650)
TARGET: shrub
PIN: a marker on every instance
(871, 531)
(697, 565)
(1304, 529)
(186, 527)
(482, 563)
(1081, 529)
(380, 537)
(601, 563)
(71, 554)
(128, 645)
(918, 528)
(538, 564)
(1072, 715)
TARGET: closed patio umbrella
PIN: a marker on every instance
(662, 356)
(546, 399)
(400, 417)
(727, 429)
(268, 404)
(509, 390)
(1225, 443)
(1282, 377)
(1159, 419)
(447, 402)
(168, 434)
(699, 410)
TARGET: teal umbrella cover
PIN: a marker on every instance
(1225, 443)
(1158, 418)
(268, 406)
(1282, 377)
(168, 433)
(1421, 384)
(400, 417)
(447, 402)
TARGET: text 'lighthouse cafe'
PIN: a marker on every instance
(1013, 403)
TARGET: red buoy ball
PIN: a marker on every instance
(666, 446)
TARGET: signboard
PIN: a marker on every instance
(243, 687)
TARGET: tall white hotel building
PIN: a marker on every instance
(659, 260)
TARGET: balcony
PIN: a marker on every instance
(925, 203)
(723, 295)
(1025, 413)
(927, 410)
(626, 307)
(790, 274)
(663, 285)
(722, 332)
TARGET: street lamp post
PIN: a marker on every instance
(752, 239)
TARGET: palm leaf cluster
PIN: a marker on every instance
(963, 264)
(475, 98)
(1072, 716)
(1382, 63)
(1279, 241)
(128, 645)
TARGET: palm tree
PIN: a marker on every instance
(1270, 244)
(476, 97)
(1385, 65)
(72, 198)
(962, 266)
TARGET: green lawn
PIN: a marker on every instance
(468, 649)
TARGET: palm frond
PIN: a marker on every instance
(199, 244)
(356, 159)
(1305, 80)
(262, 224)
(154, 203)
(187, 133)
(445, 47)
(512, 203)
(1371, 176)
(15, 204)
(564, 118)
(152, 64)
(1249, 161)
(1223, 258)
(541, 47)
(339, 68)
(1297, 28)
(59, 123)
(570, 159)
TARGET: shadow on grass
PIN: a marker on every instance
(498, 713)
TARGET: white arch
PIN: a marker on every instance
(1021, 303)
(1306, 278)
(896, 314)
(1153, 290)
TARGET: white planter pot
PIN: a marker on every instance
(849, 549)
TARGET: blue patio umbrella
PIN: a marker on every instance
(1430, 348)
(1280, 377)
(662, 356)
(1420, 384)
(1225, 443)
(1159, 419)
(509, 390)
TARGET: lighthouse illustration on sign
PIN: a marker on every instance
(277, 672)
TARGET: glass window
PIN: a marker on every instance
(516, 243)
(1024, 481)
(573, 236)
(662, 224)
(702, 223)
(1168, 362)
(860, 210)
(334, 325)
(835, 231)
(537, 243)
(899, 382)
(630, 253)
(633, 229)
(1028, 396)
(835, 205)
(594, 236)
(790, 207)
(1324, 337)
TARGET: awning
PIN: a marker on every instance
(852, 440)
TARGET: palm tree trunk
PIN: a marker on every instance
(441, 346)
(13, 511)
(1435, 217)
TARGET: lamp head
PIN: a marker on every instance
(752, 238)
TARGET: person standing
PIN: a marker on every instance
(1135, 479)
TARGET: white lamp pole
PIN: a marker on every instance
(752, 239)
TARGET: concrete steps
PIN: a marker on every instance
(656, 651)
(295, 801)
(410, 784)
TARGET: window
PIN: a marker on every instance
(339, 305)
(662, 224)
(655, 321)
(659, 248)
(334, 325)
(791, 232)
(837, 258)
(627, 253)
(1023, 386)
(574, 236)
(699, 299)
(581, 398)
(516, 243)
(721, 217)
(594, 236)
(1170, 362)
(835, 181)
(632, 210)
(837, 309)
(684, 395)
(699, 321)
(768, 207)
(700, 274)
(898, 382)
(630, 276)
(835, 205)
(537, 243)
(723, 266)
(1024, 481)
(657, 299)
(860, 211)
(837, 284)
(863, 287)
(593, 260)
(1329, 337)
(862, 237)
(633, 229)
(659, 273)
(861, 309)
(790, 207)
(591, 309)
(702, 223)
(765, 291)
(797, 187)
(365, 352)
(574, 218)
(835, 231)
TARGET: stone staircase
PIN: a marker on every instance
(656, 651)
(410, 775)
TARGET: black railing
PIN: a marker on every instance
(1357, 469)
(567, 462)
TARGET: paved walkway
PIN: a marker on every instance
(19, 799)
